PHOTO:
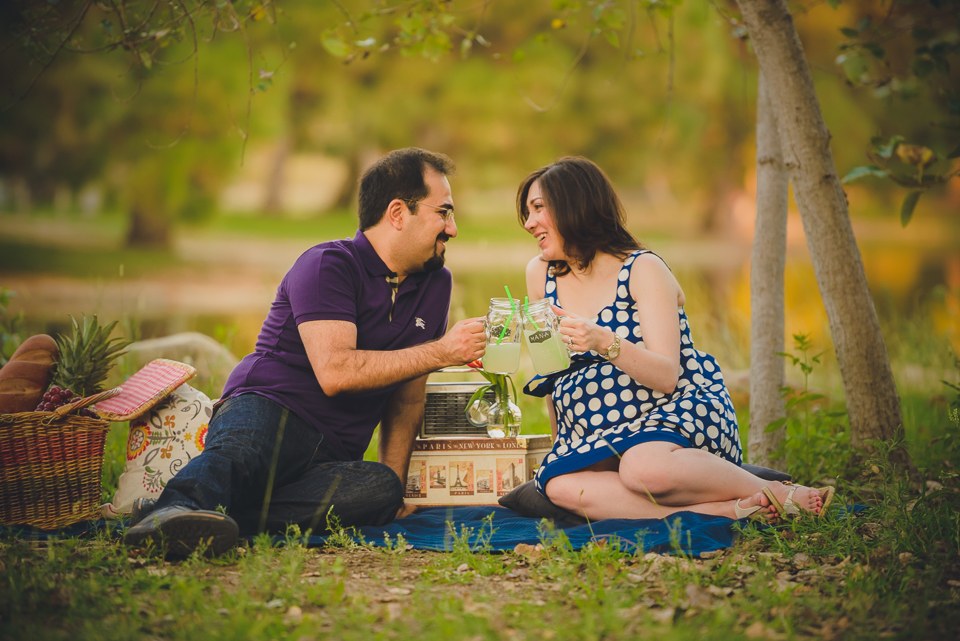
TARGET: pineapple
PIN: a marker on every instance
(86, 357)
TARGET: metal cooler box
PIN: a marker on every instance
(443, 414)
(455, 463)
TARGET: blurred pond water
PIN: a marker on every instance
(915, 285)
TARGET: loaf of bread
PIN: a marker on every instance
(24, 379)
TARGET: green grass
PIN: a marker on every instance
(343, 223)
(890, 572)
(26, 258)
(38, 255)
(334, 224)
(338, 224)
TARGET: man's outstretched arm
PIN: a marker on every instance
(341, 368)
(399, 427)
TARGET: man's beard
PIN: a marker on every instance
(436, 261)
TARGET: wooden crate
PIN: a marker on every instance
(471, 471)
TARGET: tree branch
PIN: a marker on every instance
(670, 76)
(53, 56)
(244, 133)
(563, 83)
(350, 20)
(196, 82)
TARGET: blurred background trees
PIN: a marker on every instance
(657, 92)
(178, 115)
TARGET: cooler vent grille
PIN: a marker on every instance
(444, 410)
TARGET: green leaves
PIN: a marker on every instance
(266, 80)
(859, 172)
(816, 440)
(854, 65)
(423, 31)
(608, 16)
(875, 49)
(411, 23)
(334, 44)
(886, 151)
(906, 164)
(922, 67)
(909, 204)
(663, 7)
(10, 326)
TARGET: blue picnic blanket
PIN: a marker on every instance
(441, 528)
(444, 528)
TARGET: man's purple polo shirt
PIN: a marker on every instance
(342, 280)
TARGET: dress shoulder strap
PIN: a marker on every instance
(633, 256)
(623, 280)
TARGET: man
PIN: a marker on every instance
(355, 328)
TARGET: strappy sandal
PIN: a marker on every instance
(790, 510)
(826, 495)
(749, 512)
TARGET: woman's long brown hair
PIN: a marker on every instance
(586, 210)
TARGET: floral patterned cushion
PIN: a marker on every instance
(160, 443)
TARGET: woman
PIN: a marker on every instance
(642, 422)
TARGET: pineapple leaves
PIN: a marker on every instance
(86, 356)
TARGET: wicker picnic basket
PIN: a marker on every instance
(51, 465)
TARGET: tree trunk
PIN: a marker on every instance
(272, 201)
(347, 197)
(145, 198)
(767, 262)
(873, 403)
(148, 230)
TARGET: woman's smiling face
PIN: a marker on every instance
(540, 224)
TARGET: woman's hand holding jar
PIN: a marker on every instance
(582, 335)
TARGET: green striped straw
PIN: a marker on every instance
(513, 310)
(526, 306)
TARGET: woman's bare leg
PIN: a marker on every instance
(678, 476)
(602, 495)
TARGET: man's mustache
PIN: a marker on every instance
(443, 237)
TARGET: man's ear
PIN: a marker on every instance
(396, 214)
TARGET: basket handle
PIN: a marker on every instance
(63, 410)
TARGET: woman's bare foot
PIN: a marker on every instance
(769, 514)
(805, 498)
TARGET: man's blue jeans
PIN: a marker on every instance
(269, 469)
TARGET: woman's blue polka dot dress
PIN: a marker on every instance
(601, 410)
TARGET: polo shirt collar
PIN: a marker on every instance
(369, 256)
